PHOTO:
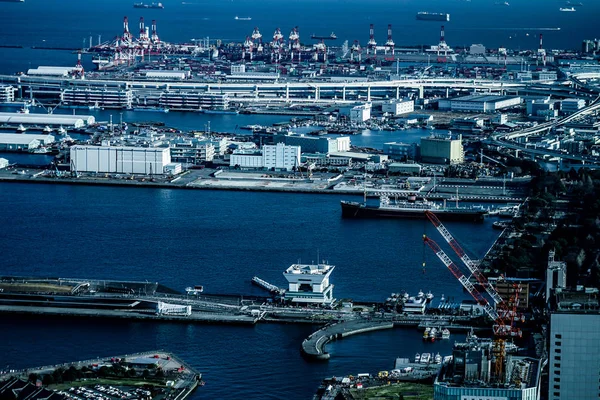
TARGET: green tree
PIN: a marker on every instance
(48, 380)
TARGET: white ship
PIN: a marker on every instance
(567, 9)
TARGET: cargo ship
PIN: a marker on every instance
(427, 16)
(410, 209)
(152, 5)
(332, 36)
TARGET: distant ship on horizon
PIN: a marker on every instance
(427, 16)
(572, 9)
(152, 5)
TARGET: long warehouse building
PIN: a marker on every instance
(120, 160)
(23, 142)
(73, 121)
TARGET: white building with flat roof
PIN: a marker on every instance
(281, 157)
(309, 283)
(277, 157)
(398, 107)
(120, 160)
(479, 103)
(360, 113)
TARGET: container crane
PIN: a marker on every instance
(503, 321)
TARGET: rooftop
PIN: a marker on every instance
(310, 269)
(477, 98)
(584, 300)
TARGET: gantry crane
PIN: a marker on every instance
(503, 313)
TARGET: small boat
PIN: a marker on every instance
(417, 358)
(433, 334)
(425, 358)
(21, 128)
(445, 333)
(429, 296)
(47, 129)
(438, 358)
(442, 299)
(420, 294)
(194, 291)
(61, 131)
(426, 333)
(243, 18)
(500, 224)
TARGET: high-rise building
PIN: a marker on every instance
(574, 358)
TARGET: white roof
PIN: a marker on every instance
(121, 148)
(319, 269)
(19, 138)
(77, 121)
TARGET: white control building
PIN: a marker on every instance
(309, 284)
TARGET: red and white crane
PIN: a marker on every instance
(503, 314)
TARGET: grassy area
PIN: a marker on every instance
(107, 382)
(35, 287)
(407, 391)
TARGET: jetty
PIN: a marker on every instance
(313, 347)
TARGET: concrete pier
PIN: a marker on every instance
(314, 346)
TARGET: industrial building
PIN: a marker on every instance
(277, 157)
(64, 120)
(191, 151)
(309, 284)
(480, 370)
(326, 160)
(442, 149)
(108, 98)
(312, 144)
(477, 50)
(398, 107)
(194, 101)
(542, 108)
(400, 151)
(23, 142)
(479, 103)
(166, 75)
(404, 168)
(52, 71)
(570, 106)
(120, 160)
(7, 94)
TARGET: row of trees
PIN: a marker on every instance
(71, 374)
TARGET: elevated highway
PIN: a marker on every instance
(315, 90)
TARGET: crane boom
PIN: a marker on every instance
(490, 311)
(471, 265)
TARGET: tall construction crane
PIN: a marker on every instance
(503, 313)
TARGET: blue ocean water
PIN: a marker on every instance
(69, 23)
(222, 239)
(218, 239)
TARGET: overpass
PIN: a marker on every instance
(315, 90)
